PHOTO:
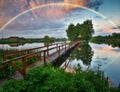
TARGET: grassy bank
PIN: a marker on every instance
(113, 40)
(49, 79)
(30, 40)
(5, 41)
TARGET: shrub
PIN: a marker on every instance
(49, 79)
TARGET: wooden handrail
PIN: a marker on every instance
(23, 58)
(27, 50)
(32, 54)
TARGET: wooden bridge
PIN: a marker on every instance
(41, 55)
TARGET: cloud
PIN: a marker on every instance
(98, 17)
(95, 4)
(10, 8)
(48, 20)
(118, 27)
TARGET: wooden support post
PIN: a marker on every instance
(28, 52)
(62, 45)
(18, 69)
(47, 50)
(44, 57)
(69, 45)
(65, 46)
(24, 66)
(4, 58)
(57, 47)
(58, 50)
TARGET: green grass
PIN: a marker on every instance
(49, 79)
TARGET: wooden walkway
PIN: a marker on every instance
(46, 54)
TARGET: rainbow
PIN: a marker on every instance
(56, 4)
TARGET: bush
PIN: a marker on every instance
(49, 79)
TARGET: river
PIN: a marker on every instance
(96, 56)
(92, 56)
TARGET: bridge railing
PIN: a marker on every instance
(24, 52)
(43, 54)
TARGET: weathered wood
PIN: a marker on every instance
(60, 49)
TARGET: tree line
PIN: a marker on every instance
(30, 40)
(113, 40)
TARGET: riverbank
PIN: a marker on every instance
(21, 40)
(47, 78)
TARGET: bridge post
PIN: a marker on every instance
(58, 50)
(62, 45)
(28, 52)
(65, 46)
(24, 67)
(47, 50)
(69, 45)
(44, 58)
(4, 57)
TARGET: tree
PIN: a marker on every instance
(84, 30)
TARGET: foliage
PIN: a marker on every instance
(113, 40)
(49, 79)
(18, 40)
(82, 31)
(7, 71)
(83, 52)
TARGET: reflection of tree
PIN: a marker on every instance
(47, 43)
(84, 53)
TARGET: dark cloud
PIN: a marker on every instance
(95, 4)
(114, 28)
(99, 17)
(118, 27)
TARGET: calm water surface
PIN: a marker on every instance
(20, 46)
(90, 56)
(95, 56)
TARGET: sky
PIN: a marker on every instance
(54, 20)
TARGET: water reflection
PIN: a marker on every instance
(20, 46)
(105, 57)
(110, 43)
(83, 52)
(16, 44)
(81, 55)
(47, 43)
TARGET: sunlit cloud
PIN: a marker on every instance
(108, 29)
(10, 8)
(52, 19)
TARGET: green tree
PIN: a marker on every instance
(46, 38)
(84, 30)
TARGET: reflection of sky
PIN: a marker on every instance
(21, 47)
(106, 58)
(54, 20)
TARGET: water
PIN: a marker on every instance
(95, 56)
(20, 46)
(89, 56)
